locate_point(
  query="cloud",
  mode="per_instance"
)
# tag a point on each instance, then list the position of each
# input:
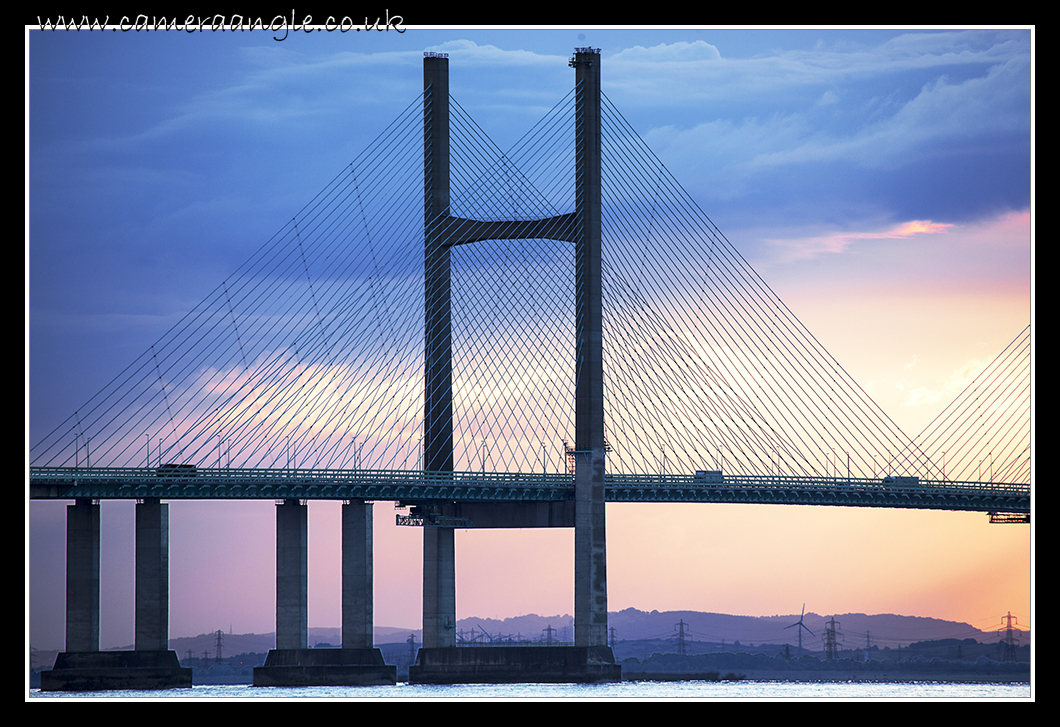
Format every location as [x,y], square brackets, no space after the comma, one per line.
[943,112]
[915,227]
[828,98]
[951,110]
[792,250]
[468,52]
[953,384]
[680,72]
[680,52]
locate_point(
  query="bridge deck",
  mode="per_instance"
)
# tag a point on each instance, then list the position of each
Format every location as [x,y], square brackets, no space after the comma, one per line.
[192,483]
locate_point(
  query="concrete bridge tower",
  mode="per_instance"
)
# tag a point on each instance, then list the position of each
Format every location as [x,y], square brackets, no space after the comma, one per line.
[590,659]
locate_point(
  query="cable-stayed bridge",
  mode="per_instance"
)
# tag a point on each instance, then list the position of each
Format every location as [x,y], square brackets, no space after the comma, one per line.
[503,339]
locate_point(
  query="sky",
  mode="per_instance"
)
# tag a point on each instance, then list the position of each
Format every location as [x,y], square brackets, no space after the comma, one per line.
[879,180]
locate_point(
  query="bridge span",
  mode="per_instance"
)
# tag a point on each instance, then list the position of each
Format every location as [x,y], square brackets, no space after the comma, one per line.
[416,487]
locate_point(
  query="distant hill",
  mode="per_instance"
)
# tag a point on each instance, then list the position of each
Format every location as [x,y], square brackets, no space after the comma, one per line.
[882,630]
[854,629]
[233,644]
[657,629]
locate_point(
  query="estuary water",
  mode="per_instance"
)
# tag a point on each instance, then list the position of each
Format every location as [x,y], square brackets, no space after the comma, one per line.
[751,690]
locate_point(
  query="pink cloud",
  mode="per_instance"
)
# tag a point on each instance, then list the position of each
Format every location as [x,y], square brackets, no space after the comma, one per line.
[917,227]
[808,247]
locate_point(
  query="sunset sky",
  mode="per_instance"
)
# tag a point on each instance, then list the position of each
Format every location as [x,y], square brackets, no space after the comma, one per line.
[880,181]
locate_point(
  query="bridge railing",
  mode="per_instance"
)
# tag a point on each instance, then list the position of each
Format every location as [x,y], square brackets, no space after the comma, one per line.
[191,482]
[808,482]
[191,473]
[59,475]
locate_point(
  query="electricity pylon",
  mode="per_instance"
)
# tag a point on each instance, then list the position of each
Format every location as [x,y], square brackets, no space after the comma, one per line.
[1009,640]
[831,644]
[681,650]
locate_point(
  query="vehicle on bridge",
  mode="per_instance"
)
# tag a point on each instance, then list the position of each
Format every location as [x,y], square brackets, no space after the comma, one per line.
[171,469]
[707,477]
[900,480]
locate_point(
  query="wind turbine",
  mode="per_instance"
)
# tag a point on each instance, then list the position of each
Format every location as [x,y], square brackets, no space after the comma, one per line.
[801,626]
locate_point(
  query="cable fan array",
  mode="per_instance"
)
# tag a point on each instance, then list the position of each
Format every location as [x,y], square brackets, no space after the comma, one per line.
[513,300]
[312,353]
[309,355]
[707,367]
[984,435]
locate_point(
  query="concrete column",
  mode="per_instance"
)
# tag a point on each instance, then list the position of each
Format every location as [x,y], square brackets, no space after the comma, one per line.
[590,551]
[152,575]
[438,388]
[82,576]
[439,558]
[357,575]
[439,588]
[292,570]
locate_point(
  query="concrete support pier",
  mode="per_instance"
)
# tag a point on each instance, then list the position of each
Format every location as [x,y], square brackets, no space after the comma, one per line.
[357,576]
[324,668]
[439,588]
[82,576]
[292,575]
[292,663]
[152,575]
[152,665]
[515,664]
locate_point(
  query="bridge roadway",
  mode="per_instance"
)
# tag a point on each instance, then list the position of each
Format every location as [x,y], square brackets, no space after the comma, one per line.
[415,486]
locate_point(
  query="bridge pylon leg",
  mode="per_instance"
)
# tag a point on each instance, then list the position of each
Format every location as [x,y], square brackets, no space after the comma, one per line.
[439,557]
[590,547]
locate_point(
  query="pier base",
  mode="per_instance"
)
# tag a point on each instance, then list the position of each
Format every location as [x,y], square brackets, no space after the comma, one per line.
[515,664]
[324,668]
[87,671]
